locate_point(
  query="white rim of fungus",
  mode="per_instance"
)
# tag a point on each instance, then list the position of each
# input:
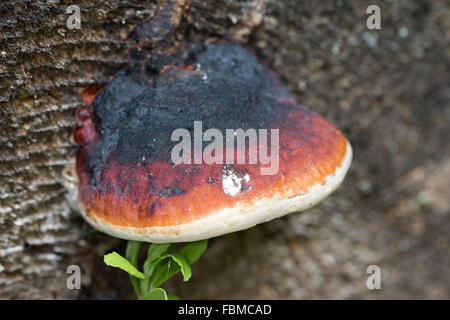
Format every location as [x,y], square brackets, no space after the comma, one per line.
[227,220]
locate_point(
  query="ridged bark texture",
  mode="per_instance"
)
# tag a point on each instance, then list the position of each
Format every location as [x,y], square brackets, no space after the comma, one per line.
[386,89]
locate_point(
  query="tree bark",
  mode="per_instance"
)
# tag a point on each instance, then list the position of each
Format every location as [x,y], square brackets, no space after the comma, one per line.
[386,89]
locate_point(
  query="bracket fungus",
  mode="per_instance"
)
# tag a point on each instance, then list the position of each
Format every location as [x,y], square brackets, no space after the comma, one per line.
[125,183]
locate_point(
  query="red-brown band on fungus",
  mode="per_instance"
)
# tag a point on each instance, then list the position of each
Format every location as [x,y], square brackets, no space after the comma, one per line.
[128,187]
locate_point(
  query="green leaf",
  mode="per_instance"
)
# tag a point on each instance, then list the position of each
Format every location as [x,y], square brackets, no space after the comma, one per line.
[172,297]
[156,294]
[183,263]
[132,252]
[184,258]
[163,271]
[132,255]
[156,250]
[194,250]
[116,260]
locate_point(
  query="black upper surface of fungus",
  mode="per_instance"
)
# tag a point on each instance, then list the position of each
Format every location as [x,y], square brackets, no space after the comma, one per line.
[226,88]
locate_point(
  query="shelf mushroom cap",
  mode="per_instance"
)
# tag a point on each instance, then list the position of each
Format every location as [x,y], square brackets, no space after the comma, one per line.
[124,183]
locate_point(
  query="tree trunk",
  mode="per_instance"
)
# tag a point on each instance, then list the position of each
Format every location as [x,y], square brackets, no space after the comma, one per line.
[386,89]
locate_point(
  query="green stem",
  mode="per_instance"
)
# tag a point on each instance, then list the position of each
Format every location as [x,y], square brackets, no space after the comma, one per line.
[132,255]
